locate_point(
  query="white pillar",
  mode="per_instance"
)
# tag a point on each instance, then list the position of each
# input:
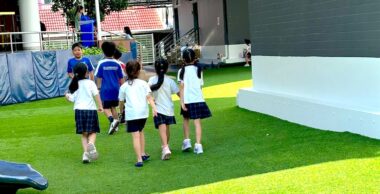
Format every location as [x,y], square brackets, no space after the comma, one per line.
[99,27]
[30,22]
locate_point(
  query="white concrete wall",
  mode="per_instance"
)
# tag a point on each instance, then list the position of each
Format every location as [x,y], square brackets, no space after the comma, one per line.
[234,53]
[30,22]
[330,93]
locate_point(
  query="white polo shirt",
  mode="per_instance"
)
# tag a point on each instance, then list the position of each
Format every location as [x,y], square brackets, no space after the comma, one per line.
[163,96]
[192,85]
[83,98]
[136,105]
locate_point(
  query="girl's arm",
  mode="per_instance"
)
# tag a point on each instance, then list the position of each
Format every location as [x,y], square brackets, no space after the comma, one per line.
[71,75]
[100,105]
[69,97]
[152,104]
[181,86]
[91,76]
[121,106]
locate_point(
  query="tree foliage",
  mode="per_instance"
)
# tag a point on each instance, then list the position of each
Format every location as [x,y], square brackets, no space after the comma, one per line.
[106,7]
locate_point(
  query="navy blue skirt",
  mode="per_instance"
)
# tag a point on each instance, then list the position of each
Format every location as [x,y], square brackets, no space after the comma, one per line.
[86,121]
[136,125]
[197,110]
[163,119]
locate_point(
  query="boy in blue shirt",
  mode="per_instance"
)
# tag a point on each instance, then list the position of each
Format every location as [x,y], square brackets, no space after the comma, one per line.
[109,77]
[78,58]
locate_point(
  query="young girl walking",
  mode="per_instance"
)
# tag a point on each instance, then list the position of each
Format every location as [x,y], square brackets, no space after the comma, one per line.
[193,105]
[163,87]
[136,94]
[82,92]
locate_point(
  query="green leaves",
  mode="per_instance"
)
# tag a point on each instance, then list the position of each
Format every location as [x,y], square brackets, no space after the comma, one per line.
[106,7]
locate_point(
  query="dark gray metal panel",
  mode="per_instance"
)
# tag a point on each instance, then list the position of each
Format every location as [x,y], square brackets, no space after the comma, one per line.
[345,28]
[211,22]
[238,21]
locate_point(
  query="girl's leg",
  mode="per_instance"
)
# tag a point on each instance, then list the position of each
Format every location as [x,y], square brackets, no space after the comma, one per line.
[163,134]
[137,145]
[167,134]
[142,143]
[198,130]
[84,141]
[91,149]
[186,128]
[92,138]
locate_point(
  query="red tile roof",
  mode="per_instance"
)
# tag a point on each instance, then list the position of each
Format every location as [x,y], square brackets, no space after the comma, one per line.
[54,21]
[137,18]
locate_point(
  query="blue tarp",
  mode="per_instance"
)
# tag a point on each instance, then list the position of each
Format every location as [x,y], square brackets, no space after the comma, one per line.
[5,86]
[21,73]
[46,76]
[27,76]
[62,57]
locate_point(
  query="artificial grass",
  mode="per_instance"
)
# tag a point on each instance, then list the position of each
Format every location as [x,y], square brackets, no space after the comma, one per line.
[245,152]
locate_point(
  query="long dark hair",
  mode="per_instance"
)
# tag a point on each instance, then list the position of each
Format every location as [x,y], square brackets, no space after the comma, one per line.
[127,30]
[188,57]
[161,66]
[132,69]
[80,71]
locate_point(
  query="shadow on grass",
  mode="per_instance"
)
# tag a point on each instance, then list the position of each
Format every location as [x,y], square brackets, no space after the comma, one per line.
[241,143]
[237,143]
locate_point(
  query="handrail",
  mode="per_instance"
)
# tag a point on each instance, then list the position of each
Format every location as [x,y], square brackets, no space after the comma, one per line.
[66,36]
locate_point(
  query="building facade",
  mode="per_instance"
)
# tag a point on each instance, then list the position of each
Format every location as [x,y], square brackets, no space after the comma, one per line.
[316,63]
[222,26]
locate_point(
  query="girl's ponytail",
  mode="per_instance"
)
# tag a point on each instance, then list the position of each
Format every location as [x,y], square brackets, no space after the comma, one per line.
[73,85]
[80,71]
[188,56]
[161,66]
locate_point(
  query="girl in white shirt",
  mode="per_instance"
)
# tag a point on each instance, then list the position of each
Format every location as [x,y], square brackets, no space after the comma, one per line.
[134,96]
[193,105]
[163,87]
[82,93]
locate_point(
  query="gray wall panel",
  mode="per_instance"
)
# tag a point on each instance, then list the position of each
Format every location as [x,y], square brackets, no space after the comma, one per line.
[211,33]
[238,21]
[185,16]
[347,28]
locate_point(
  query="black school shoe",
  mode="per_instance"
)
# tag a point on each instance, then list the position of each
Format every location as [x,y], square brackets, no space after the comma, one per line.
[145,158]
[139,164]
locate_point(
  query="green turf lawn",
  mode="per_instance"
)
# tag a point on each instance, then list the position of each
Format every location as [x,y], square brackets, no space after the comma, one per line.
[245,152]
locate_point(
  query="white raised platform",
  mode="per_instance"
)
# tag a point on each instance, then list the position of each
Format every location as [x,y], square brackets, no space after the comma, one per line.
[337,94]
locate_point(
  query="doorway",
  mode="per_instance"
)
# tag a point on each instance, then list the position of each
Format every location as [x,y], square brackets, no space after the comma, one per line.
[196,22]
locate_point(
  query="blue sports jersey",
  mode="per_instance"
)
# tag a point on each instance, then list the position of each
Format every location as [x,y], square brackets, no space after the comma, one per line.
[110,72]
[73,61]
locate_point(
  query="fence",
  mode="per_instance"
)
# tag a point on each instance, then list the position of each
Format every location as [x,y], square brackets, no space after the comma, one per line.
[27,76]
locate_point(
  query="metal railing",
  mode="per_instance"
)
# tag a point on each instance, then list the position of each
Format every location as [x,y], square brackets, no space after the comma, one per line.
[169,48]
[47,39]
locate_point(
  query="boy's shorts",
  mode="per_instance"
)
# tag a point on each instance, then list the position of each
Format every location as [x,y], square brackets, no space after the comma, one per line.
[108,104]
